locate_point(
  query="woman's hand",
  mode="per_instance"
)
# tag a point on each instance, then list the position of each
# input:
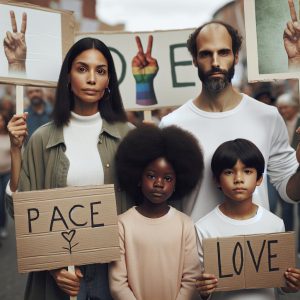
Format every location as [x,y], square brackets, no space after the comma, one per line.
[66,281]
[17,129]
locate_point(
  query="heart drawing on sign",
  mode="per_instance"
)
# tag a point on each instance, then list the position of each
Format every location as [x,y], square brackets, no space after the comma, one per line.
[68,236]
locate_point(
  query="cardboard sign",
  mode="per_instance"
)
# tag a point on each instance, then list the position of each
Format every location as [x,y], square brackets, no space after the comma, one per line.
[265,22]
[169,81]
[66,226]
[34,41]
[250,261]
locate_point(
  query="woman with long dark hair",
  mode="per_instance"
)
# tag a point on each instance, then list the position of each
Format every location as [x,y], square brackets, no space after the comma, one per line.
[76,148]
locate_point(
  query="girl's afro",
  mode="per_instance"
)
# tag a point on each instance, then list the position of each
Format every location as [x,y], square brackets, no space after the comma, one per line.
[147,143]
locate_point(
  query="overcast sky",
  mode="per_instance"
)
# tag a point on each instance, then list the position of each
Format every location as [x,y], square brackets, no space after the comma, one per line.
[146,15]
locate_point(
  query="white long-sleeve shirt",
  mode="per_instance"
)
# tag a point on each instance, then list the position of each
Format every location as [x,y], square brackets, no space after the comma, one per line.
[252,120]
[216,224]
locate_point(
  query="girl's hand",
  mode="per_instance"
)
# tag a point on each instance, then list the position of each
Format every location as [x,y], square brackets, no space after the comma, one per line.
[292,276]
[66,281]
[17,129]
[206,284]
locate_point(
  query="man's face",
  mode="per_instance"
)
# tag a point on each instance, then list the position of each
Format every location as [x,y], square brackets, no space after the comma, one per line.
[33,92]
[215,59]
[288,112]
[35,95]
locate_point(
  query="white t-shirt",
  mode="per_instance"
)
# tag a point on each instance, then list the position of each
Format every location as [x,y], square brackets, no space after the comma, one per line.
[216,224]
[252,120]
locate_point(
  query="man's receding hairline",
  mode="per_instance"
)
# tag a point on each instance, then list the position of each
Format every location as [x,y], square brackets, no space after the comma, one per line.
[216,24]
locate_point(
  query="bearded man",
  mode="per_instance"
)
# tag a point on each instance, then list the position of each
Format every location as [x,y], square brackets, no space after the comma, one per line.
[220,113]
[39,110]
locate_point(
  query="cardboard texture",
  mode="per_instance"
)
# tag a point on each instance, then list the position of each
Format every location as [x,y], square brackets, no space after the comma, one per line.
[250,261]
[66,226]
[49,35]
[173,83]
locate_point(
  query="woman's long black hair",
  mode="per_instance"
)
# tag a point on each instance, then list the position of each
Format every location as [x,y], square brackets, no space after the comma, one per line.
[111,105]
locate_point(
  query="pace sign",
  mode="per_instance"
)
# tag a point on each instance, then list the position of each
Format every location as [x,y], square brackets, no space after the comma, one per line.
[66,226]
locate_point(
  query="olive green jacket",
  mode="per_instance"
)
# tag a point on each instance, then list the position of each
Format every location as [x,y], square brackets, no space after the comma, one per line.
[45,166]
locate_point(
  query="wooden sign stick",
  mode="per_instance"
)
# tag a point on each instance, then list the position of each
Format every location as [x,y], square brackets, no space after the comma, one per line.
[147,116]
[19,99]
[71,269]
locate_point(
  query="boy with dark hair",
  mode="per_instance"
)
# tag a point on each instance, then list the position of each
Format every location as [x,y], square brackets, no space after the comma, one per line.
[237,168]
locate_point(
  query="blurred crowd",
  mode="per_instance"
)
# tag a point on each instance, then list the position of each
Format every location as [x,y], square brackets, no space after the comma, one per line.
[38,104]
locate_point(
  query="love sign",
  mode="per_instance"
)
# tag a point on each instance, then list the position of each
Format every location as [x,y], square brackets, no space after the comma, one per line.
[249,261]
[66,226]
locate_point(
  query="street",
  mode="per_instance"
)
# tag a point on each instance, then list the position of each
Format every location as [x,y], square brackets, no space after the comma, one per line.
[12,284]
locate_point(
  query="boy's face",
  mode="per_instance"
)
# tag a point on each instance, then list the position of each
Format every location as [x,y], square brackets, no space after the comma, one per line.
[158,181]
[239,182]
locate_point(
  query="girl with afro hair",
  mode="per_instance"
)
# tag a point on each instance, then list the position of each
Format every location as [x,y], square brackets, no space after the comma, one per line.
[158,243]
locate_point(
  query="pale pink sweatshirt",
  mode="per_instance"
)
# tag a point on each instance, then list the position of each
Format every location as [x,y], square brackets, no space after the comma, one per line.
[158,257]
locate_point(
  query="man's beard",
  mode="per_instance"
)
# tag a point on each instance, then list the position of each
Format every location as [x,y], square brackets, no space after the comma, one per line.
[215,85]
[36,101]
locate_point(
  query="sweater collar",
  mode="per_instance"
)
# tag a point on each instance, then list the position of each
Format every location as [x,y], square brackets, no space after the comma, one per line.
[57,136]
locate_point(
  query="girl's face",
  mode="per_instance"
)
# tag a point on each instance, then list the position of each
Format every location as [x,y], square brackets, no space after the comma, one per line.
[88,78]
[239,182]
[158,181]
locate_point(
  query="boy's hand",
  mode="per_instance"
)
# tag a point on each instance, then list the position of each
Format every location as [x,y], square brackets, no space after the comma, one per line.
[206,284]
[292,276]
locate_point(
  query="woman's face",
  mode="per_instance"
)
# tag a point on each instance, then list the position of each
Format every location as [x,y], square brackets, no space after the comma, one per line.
[88,78]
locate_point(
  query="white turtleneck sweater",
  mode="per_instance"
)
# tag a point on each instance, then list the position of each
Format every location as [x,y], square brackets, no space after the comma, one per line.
[81,139]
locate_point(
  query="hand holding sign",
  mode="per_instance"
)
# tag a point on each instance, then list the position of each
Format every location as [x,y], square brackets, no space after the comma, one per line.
[17,130]
[15,45]
[144,69]
[292,276]
[68,282]
[291,38]
[206,284]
